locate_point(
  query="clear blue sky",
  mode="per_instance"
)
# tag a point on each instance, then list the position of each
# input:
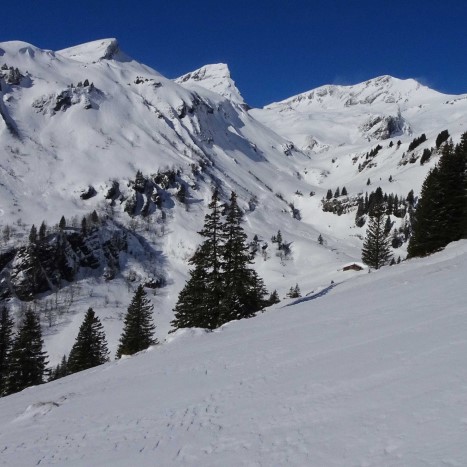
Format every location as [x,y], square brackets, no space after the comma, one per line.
[274,48]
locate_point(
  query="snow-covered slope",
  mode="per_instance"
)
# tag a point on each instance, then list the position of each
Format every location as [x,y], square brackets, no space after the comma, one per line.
[90,116]
[370,372]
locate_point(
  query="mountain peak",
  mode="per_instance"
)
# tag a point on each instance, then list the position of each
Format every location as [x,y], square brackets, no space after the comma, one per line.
[384,89]
[95,51]
[214,77]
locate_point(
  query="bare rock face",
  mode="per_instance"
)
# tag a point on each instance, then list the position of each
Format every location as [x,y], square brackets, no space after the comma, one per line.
[45,265]
[383,127]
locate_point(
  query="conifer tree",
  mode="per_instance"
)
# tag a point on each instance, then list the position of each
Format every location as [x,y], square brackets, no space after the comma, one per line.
[33,234]
[27,360]
[344,191]
[279,239]
[199,302]
[221,286]
[138,329]
[441,213]
[235,261]
[6,344]
[62,223]
[273,298]
[90,347]
[60,370]
[376,250]
[42,231]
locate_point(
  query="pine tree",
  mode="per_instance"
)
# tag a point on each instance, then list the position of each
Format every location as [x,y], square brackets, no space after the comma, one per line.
[42,231]
[320,239]
[90,347]
[27,359]
[199,302]
[329,194]
[60,370]
[441,213]
[33,234]
[344,191]
[273,298]
[376,250]
[84,227]
[138,329]
[235,261]
[294,292]
[6,344]
[221,286]
[62,223]
[337,193]
[279,240]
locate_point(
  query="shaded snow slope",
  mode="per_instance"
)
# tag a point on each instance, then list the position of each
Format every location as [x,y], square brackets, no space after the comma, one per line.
[371,373]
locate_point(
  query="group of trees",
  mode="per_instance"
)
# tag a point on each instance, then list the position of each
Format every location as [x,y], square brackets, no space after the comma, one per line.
[441,213]
[394,205]
[337,193]
[23,361]
[222,287]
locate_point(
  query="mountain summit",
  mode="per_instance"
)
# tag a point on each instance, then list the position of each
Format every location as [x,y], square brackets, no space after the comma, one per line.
[91,52]
[215,78]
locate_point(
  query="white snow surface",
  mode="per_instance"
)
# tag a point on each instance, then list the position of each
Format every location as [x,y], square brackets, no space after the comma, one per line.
[369,372]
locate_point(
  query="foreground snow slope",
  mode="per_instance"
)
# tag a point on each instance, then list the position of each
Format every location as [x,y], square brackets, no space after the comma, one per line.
[370,373]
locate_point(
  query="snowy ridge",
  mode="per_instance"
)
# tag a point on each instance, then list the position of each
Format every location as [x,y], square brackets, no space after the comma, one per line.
[215,78]
[372,373]
[91,52]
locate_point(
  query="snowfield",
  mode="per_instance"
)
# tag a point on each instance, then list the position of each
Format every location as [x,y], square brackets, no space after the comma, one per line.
[371,372]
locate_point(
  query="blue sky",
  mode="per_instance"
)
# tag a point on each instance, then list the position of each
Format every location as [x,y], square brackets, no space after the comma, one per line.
[274,48]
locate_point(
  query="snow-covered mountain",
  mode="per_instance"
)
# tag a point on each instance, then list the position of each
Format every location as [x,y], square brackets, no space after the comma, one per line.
[369,372]
[77,125]
[216,78]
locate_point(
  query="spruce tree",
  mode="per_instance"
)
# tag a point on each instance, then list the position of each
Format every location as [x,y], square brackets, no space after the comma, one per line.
[376,250]
[27,361]
[33,234]
[441,213]
[90,347]
[62,223]
[199,302]
[42,231]
[235,261]
[60,370]
[138,329]
[6,344]
[221,286]
[273,298]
